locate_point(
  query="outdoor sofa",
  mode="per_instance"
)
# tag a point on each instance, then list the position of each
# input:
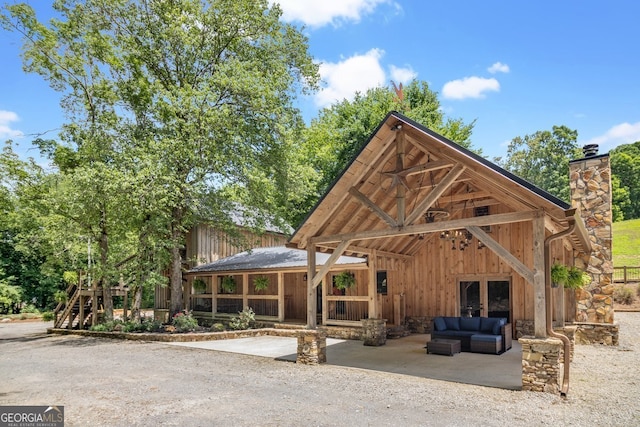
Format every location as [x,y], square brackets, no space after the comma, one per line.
[476,334]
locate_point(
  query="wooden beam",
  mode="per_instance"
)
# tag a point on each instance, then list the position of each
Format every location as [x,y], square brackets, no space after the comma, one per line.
[401,181]
[372,289]
[281,301]
[505,218]
[361,250]
[539,314]
[424,167]
[372,206]
[503,253]
[337,253]
[435,193]
[312,298]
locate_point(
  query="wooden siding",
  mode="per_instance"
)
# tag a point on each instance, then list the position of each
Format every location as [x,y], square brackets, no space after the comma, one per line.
[429,282]
[204,244]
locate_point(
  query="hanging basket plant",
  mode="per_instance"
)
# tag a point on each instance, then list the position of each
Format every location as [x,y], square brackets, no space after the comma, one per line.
[261,283]
[199,285]
[344,280]
[576,278]
[228,284]
[559,274]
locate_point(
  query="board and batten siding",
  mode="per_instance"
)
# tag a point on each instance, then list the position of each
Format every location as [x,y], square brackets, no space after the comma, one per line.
[429,281]
[205,244]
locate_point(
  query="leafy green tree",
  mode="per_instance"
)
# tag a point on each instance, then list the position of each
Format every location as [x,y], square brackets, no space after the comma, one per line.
[543,159]
[625,169]
[200,93]
[339,131]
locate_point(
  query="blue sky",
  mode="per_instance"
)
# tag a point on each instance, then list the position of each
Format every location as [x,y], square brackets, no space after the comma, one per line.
[514,67]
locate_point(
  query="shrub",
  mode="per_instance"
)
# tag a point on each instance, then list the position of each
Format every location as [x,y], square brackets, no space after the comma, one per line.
[243,320]
[184,322]
[217,327]
[638,290]
[48,316]
[623,295]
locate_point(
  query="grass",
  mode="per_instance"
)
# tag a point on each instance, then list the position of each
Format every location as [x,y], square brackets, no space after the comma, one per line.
[626,243]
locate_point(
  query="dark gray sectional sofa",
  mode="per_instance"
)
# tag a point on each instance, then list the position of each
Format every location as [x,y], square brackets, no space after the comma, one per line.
[476,334]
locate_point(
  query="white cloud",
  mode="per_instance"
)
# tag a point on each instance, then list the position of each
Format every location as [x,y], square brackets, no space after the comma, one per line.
[624,133]
[318,13]
[469,87]
[402,75]
[498,67]
[6,118]
[355,74]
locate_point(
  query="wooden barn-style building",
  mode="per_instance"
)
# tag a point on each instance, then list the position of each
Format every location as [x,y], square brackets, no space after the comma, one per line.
[440,230]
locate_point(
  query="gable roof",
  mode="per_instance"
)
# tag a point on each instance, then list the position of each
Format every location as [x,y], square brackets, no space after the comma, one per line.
[405,164]
[278,257]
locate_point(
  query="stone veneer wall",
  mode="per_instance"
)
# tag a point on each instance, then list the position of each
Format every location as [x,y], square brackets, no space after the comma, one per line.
[374,331]
[419,324]
[542,365]
[590,181]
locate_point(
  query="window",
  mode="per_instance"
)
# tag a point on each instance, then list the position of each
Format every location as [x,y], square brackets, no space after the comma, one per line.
[482,211]
[381,280]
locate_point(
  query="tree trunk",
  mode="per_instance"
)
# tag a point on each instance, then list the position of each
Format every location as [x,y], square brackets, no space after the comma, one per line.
[177,304]
[107,298]
[137,302]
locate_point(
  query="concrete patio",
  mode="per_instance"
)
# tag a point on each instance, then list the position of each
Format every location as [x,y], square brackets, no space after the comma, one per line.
[405,356]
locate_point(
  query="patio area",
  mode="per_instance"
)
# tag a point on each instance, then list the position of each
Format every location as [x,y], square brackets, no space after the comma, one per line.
[405,356]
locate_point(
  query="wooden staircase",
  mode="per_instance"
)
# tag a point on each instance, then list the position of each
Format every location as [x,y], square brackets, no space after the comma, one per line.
[80,309]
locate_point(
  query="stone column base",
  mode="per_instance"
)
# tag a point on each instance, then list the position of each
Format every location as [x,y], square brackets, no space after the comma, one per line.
[312,347]
[374,332]
[597,333]
[541,364]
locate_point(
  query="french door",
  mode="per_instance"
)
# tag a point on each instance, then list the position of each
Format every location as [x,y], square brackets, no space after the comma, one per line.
[485,297]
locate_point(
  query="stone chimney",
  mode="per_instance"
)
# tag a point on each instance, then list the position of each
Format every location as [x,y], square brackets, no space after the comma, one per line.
[590,181]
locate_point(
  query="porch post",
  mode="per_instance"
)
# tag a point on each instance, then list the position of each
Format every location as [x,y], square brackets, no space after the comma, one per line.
[539,320]
[281,301]
[372,290]
[312,299]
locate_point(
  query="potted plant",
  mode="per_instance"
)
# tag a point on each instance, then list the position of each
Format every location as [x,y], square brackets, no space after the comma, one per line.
[261,283]
[199,285]
[228,284]
[344,280]
[559,274]
[576,278]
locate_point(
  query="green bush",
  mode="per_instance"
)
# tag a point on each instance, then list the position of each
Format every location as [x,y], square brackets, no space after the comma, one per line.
[243,320]
[184,322]
[48,316]
[638,290]
[623,295]
[217,327]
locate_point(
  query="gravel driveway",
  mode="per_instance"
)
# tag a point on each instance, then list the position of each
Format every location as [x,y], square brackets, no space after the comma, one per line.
[103,382]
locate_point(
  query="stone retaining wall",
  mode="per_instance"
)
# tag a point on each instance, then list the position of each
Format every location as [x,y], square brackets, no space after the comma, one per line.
[597,333]
[312,344]
[419,324]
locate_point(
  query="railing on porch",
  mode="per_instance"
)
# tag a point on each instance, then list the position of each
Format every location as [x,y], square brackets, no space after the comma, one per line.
[229,305]
[264,307]
[346,309]
[626,274]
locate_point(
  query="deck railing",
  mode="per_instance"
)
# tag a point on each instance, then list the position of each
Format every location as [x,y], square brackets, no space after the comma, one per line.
[626,274]
[346,309]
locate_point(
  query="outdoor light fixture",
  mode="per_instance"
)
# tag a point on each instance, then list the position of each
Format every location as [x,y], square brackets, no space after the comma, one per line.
[460,239]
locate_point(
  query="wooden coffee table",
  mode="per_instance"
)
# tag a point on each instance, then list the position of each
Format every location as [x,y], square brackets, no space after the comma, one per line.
[444,347]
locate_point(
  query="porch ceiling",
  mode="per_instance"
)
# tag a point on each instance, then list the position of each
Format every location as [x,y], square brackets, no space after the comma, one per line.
[381,201]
